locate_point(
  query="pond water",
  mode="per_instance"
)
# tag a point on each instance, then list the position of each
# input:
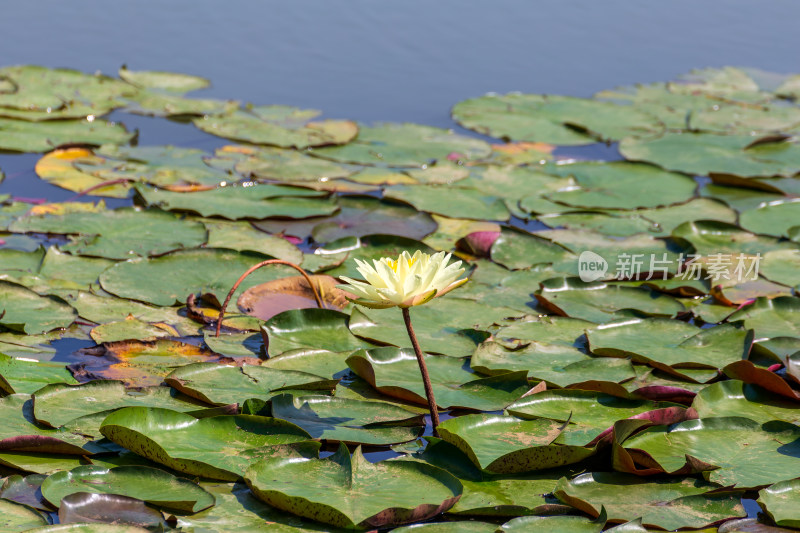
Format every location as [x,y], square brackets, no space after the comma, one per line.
[372,61]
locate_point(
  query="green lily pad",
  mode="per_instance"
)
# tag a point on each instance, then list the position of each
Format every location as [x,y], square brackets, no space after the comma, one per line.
[708,237]
[276,125]
[171,278]
[603,302]
[39,93]
[82,408]
[242,236]
[320,362]
[204,447]
[128,329]
[358,216]
[771,318]
[268,163]
[226,384]
[450,326]
[552,119]
[774,218]
[659,221]
[352,492]
[89,528]
[23,375]
[395,372]
[24,310]
[368,248]
[152,485]
[238,511]
[19,517]
[234,203]
[349,421]
[105,309]
[25,490]
[782,266]
[20,431]
[780,502]
[587,413]
[507,444]
[488,494]
[164,81]
[709,153]
[163,104]
[516,250]
[311,329]
[621,185]
[404,145]
[24,136]
[735,398]
[452,201]
[664,343]
[118,234]
[665,503]
[565,524]
[730,451]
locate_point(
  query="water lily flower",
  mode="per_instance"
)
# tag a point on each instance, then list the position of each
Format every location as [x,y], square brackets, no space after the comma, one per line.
[406,281]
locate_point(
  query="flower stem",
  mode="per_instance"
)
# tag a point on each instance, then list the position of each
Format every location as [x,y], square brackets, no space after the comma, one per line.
[426,380]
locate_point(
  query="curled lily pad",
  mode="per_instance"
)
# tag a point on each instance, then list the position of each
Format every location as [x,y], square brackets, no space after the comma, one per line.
[404,145]
[204,447]
[357,494]
[395,372]
[152,485]
[85,507]
[275,125]
[507,444]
